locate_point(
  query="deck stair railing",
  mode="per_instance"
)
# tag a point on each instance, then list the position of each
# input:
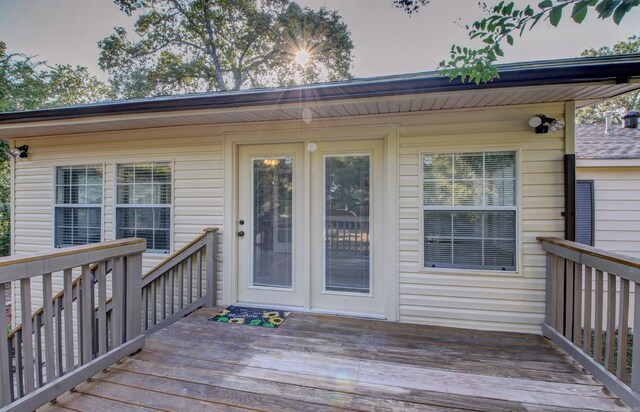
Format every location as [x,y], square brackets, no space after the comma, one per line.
[53,351]
[66,347]
[182,283]
[593,312]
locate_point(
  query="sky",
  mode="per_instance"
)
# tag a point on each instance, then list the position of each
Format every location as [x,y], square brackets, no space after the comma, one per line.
[387,41]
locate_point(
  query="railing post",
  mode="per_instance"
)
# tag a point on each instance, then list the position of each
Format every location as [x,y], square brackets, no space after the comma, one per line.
[5,367]
[133,289]
[211,268]
[635,357]
[87,330]
[550,292]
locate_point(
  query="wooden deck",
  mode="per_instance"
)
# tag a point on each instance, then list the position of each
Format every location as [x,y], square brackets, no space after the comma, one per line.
[315,362]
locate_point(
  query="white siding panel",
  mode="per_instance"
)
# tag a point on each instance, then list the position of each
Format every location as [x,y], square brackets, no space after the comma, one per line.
[479,299]
[197,175]
[617,208]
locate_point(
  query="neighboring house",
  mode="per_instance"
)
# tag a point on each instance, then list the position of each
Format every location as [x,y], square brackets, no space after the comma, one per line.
[407,198]
[608,187]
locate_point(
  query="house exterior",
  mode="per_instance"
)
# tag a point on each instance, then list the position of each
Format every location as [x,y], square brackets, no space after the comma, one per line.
[608,173]
[406,198]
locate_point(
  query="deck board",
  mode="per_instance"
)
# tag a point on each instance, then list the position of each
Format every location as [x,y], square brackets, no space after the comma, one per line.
[319,362]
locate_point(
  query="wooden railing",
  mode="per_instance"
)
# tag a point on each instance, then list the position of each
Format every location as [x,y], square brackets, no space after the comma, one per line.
[80,346]
[348,234]
[72,337]
[593,312]
[182,283]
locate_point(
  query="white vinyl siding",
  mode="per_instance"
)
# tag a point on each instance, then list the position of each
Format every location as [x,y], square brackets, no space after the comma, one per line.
[197,186]
[469,298]
[143,204]
[78,208]
[470,214]
[616,200]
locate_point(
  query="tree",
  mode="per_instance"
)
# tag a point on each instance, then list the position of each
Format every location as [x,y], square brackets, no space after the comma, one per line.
[504,22]
[27,84]
[204,45]
[595,114]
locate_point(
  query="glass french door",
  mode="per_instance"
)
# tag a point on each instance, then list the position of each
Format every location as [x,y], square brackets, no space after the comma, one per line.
[346,227]
[269,227]
[311,235]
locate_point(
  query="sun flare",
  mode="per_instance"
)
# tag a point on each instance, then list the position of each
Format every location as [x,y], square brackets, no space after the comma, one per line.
[302,57]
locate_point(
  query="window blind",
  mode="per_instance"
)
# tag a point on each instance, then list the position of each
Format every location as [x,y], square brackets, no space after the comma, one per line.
[470,214]
[78,209]
[143,206]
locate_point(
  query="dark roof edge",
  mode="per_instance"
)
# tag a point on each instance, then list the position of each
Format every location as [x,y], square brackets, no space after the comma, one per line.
[566,71]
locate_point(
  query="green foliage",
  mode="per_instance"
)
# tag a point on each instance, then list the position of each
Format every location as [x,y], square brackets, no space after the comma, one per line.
[27,84]
[595,114]
[347,179]
[183,46]
[503,21]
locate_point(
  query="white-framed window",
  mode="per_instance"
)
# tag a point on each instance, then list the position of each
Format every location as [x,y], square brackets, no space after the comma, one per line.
[470,210]
[78,205]
[143,204]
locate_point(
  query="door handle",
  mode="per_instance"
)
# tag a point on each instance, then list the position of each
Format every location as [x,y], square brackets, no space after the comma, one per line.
[241,233]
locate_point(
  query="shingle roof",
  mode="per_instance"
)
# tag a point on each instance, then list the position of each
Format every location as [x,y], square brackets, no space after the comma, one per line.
[620,143]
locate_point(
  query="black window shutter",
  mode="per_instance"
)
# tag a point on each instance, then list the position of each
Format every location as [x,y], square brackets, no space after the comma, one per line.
[584,212]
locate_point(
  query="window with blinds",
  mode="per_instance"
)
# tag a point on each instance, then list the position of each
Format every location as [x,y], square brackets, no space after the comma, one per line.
[78,205]
[143,204]
[470,210]
[584,212]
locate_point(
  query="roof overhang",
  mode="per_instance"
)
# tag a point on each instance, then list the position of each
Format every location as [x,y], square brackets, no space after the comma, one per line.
[583,80]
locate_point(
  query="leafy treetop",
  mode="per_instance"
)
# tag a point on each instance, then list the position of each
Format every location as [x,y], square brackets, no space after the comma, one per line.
[504,22]
[27,84]
[203,45]
[595,114]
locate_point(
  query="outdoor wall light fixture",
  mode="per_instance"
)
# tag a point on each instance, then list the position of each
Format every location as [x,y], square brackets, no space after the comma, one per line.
[22,152]
[544,124]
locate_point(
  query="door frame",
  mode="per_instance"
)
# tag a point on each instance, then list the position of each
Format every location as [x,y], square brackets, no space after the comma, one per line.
[291,132]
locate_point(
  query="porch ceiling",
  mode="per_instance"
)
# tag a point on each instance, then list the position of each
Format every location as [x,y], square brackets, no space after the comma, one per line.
[584,80]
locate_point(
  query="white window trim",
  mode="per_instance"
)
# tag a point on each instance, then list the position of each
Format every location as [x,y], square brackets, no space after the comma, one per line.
[518,209]
[56,205]
[170,206]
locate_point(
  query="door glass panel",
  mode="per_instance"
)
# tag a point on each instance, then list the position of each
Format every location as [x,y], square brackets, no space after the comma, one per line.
[347,223]
[272,221]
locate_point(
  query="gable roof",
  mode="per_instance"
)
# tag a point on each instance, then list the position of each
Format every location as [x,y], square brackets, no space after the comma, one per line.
[583,80]
[619,143]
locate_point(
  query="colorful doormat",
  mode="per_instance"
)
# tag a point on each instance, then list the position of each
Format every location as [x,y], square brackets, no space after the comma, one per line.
[251,316]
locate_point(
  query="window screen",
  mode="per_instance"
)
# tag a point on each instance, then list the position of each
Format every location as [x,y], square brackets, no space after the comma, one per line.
[584,212]
[143,204]
[470,211]
[78,209]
